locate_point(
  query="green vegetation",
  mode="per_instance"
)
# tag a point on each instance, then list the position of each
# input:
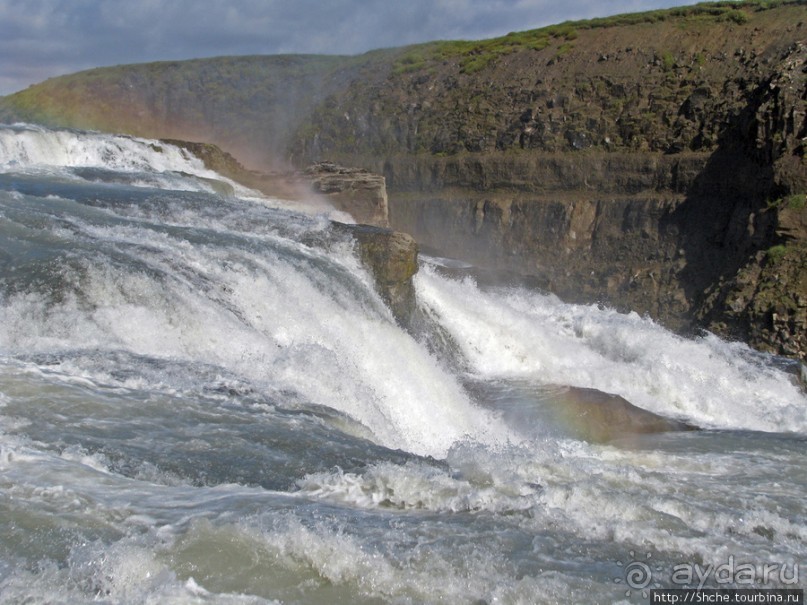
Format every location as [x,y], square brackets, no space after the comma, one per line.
[769,4]
[797,201]
[474,56]
[737,16]
[667,60]
[776,253]
[564,49]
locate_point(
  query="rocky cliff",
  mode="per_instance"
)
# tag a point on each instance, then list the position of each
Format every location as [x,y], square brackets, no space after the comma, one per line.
[653,162]
[656,166]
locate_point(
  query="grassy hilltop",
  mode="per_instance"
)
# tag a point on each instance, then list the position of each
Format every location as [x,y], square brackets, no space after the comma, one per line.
[617,82]
[652,161]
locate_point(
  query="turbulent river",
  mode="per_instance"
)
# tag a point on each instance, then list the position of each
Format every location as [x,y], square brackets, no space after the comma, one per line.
[203,400]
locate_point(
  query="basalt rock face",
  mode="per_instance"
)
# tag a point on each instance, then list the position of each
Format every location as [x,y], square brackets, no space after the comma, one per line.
[213,157]
[686,250]
[765,301]
[760,294]
[613,251]
[708,238]
[358,192]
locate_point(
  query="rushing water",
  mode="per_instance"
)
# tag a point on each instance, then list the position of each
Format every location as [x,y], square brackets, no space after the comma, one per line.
[203,400]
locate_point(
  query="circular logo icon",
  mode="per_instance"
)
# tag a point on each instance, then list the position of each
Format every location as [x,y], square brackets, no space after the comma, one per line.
[638,575]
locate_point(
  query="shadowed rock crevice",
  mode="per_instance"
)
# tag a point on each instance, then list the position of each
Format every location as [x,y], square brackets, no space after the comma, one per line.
[748,278]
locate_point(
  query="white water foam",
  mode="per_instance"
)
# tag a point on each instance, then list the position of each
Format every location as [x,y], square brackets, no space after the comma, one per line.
[419,486]
[290,322]
[150,163]
[600,493]
[514,524]
[273,319]
[335,566]
[27,146]
[516,333]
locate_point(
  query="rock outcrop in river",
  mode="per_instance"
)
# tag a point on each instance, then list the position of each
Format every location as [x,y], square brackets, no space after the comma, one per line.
[391,257]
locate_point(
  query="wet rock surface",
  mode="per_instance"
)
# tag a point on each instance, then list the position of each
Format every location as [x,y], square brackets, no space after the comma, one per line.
[600,417]
[392,259]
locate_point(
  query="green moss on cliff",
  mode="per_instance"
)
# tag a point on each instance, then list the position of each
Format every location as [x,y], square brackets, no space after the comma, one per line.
[776,253]
[797,201]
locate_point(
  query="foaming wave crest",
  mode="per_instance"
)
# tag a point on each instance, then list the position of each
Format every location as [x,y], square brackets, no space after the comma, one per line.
[417,485]
[26,146]
[281,314]
[517,333]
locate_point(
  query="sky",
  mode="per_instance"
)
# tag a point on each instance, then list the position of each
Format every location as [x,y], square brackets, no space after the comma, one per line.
[44,38]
